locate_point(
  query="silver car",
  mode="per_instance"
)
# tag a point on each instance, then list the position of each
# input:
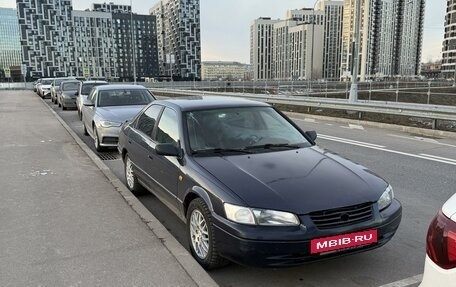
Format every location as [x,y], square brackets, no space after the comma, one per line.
[56,86]
[108,107]
[83,93]
[66,97]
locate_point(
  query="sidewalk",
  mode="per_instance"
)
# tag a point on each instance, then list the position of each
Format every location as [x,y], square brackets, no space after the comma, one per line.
[62,222]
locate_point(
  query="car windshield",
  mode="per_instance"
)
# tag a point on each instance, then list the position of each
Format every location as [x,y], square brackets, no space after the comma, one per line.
[46,82]
[245,130]
[70,86]
[86,88]
[124,97]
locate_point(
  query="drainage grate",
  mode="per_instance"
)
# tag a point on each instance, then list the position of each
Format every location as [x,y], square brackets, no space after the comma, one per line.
[109,156]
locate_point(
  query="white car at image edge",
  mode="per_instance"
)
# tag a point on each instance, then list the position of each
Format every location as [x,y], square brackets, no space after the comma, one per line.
[440,264]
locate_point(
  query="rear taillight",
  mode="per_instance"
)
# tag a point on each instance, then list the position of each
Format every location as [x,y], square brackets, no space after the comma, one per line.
[441,241]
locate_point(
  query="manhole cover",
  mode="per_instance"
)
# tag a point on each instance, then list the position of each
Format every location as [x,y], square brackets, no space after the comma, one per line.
[108,156]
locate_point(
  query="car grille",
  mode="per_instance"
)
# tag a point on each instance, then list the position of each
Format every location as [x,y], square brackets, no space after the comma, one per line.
[110,140]
[342,216]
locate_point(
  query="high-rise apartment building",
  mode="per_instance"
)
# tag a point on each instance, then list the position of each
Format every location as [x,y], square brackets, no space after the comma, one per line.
[449,42]
[94,50]
[306,45]
[332,36]
[390,37]
[297,52]
[135,41]
[179,41]
[46,37]
[261,48]
[10,45]
[103,43]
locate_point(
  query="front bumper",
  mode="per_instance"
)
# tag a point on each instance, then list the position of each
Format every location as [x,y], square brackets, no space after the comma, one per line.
[108,136]
[290,246]
[69,102]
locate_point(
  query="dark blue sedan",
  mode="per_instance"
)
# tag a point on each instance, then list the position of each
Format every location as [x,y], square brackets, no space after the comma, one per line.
[252,187]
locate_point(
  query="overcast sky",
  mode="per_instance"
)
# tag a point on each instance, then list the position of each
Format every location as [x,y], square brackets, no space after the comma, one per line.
[225,24]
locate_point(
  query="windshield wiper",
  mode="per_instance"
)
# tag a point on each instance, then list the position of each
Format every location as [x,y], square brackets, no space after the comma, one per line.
[222,150]
[270,146]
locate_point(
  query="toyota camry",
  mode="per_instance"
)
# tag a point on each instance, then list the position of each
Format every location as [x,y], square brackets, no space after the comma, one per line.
[253,187]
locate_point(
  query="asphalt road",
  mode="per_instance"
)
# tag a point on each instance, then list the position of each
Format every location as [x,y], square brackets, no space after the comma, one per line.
[421,170]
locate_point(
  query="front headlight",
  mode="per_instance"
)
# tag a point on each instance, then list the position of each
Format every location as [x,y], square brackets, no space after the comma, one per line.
[256,216]
[109,124]
[386,198]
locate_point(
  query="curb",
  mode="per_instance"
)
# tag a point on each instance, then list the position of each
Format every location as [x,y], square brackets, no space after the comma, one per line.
[182,256]
[408,129]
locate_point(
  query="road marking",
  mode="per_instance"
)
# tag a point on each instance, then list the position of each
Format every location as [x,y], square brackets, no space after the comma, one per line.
[405,282]
[348,141]
[309,120]
[438,157]
[382,148]
[355,127]
[329,125]
[421,139]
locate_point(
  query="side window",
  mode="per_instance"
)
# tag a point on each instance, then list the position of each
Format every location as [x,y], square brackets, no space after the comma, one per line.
[147,120]
[168,129]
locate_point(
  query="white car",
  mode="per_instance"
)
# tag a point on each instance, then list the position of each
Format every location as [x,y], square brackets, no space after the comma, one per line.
[440,264]
[44,87]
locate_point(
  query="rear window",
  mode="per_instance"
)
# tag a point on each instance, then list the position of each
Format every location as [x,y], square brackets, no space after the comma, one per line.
[86,88]
[70,86]
[46,82]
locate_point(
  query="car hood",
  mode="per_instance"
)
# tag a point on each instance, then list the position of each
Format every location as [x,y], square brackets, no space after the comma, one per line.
[46,86]
[298,181]
[118,114]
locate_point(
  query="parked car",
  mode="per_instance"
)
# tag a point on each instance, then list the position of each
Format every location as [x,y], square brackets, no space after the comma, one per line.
[252,187]
[44,87]
[440,262]
[66,97]
[35,85]
[108,107]
[56,86]
[83,93]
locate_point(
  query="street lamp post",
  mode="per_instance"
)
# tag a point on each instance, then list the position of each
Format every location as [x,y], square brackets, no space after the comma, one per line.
[312,47]
[354,86]
[132,42]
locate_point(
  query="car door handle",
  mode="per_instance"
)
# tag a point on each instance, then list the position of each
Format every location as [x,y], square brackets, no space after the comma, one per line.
[150,157]
[129,141]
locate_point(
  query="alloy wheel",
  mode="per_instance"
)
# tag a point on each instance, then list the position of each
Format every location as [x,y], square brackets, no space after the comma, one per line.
[199,234]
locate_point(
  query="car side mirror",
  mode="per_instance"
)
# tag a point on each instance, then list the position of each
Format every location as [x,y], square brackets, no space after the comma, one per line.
[88,103]
[312,135]
[167,149]
[77,93]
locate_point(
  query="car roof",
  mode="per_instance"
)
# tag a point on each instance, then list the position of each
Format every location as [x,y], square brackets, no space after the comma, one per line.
[209,102]
[119,87]
[94,82]
[70,81]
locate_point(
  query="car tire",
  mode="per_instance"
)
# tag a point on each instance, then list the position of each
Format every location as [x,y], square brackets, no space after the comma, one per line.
[201,236]
[80,115]
[64,108]
[86,133]
[96,140]
[130,178]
